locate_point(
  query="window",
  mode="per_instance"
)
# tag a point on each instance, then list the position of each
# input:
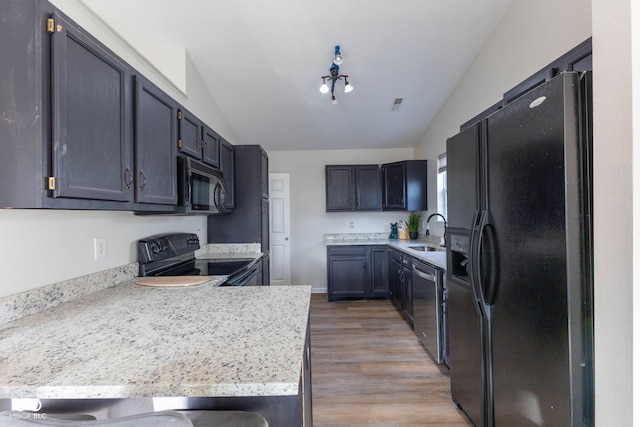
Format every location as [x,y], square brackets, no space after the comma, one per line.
[442,184]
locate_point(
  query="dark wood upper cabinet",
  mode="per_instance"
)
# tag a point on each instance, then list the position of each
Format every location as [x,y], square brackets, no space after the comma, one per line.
[156,134]
[367,188]
[353,187]
[228,171]
[339,188]
[73,137]
[404,186]
[393,178]
[249,220]
[264,174]
[579,58]
[91,117]
[197,140]
[190,134]
[210,147]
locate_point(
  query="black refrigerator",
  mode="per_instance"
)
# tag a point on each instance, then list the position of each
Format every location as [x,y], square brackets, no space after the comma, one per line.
[519,260]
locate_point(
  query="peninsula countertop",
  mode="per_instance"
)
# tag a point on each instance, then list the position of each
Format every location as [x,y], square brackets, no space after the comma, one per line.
[138,341]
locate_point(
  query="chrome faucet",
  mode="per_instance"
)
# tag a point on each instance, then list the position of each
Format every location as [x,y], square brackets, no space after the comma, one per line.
[443,240]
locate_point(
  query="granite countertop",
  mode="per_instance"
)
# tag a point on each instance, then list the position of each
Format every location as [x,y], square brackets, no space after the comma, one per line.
[137,341]
[437,258]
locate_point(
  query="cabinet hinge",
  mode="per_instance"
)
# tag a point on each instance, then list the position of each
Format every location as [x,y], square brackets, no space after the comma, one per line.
[51,183]
[179,143]
[179,115]
[50,26]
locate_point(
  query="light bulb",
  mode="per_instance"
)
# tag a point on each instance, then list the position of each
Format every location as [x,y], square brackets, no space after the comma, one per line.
[324,88]
[348,88]
[337,59]
[334,101]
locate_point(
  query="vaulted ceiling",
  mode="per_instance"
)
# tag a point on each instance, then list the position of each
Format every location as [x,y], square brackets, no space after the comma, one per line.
[262,61]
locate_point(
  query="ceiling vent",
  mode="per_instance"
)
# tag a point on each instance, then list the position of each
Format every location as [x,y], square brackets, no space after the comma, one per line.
[396,104]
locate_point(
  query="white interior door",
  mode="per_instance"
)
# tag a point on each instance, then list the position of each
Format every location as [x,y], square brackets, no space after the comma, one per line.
[279,213]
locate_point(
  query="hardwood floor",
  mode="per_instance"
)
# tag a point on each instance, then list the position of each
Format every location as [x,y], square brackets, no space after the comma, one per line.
[369,369]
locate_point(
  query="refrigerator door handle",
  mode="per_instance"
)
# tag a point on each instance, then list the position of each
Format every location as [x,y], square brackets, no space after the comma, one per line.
[474,264]
[489,263]
[484,263]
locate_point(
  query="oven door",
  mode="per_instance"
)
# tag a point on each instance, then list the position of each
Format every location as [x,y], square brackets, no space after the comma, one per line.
[249,277]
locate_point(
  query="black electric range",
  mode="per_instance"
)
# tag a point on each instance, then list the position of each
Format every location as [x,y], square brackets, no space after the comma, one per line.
[174,255]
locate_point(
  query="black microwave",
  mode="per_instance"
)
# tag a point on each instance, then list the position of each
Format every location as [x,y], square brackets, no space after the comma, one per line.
[201,189]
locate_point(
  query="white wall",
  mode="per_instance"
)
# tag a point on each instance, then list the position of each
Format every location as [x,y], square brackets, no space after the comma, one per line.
[615,146]
[41,247]
[310,221]
[635,144]
[531,35]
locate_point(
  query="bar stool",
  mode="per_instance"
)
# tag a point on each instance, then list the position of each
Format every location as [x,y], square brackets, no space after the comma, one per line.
[151,419]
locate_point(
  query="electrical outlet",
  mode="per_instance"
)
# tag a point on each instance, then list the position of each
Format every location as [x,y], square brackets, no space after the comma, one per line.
[351,225]
[99,247]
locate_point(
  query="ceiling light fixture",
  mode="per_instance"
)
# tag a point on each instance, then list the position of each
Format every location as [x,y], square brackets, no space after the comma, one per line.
[334,75]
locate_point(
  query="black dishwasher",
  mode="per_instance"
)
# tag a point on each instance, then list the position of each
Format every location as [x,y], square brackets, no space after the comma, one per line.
[427,308]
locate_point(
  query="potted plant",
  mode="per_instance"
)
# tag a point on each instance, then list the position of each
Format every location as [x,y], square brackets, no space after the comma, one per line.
[413,224]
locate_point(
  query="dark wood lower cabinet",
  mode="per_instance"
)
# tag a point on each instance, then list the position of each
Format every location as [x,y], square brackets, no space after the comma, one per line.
[357,272]
[379,271]
[395,277]
[407,288]
[401,283]
[347,272]
[368,272]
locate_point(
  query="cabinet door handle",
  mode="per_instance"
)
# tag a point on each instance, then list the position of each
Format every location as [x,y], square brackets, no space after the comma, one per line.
[128,177]
[143,178]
